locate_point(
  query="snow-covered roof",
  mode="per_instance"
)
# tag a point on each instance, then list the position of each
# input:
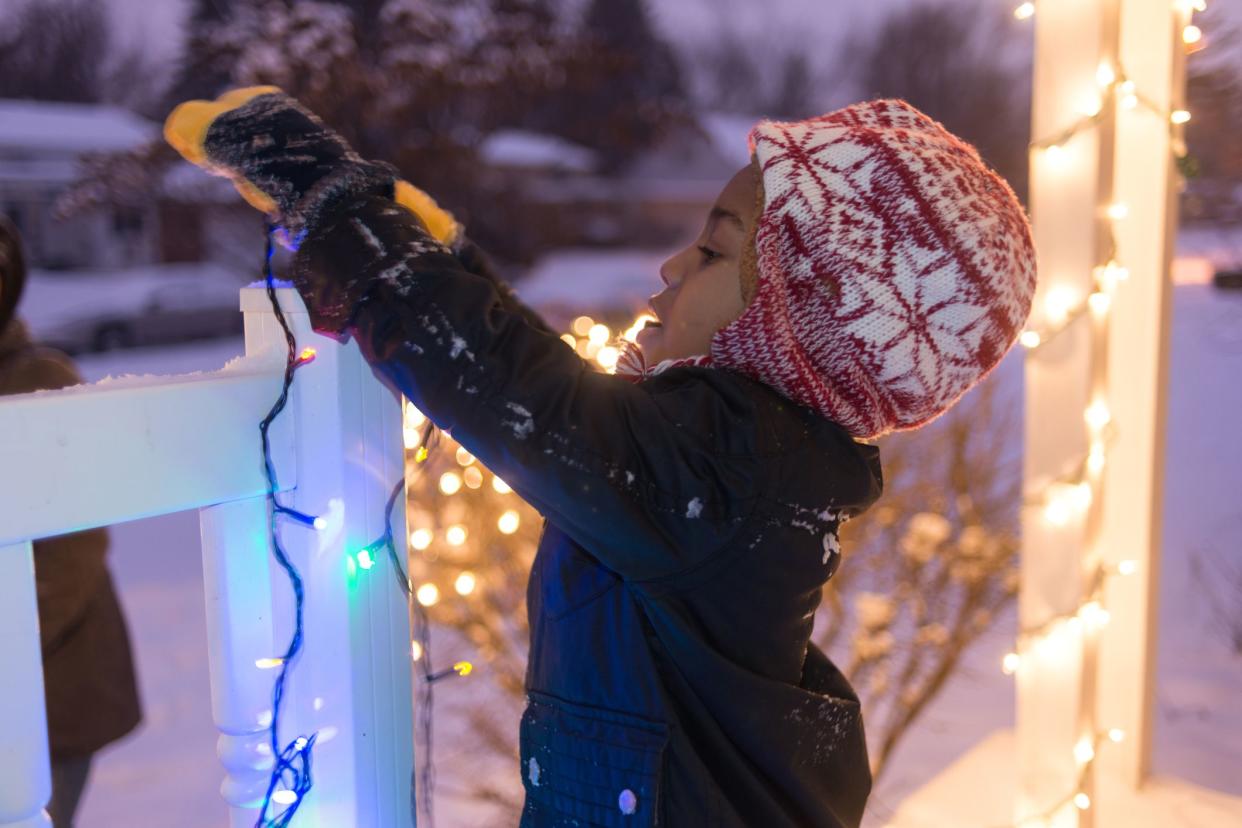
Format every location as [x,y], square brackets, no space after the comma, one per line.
[515,148]
[41,128]
[593,280]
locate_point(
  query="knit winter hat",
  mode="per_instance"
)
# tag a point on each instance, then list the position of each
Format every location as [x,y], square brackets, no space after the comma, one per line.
[894,268]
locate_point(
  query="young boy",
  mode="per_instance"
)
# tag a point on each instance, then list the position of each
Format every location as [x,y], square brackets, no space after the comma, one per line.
[860,275]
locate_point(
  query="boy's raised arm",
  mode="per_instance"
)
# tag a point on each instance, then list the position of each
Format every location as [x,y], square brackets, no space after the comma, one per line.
[652,479]
[646,477]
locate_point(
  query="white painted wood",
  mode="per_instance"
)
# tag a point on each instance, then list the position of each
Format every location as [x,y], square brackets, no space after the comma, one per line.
[25,775]
[193,441]
[352,684]
[181,439]
[1086,679]
[1138,361]
[1066,191]
[238,588]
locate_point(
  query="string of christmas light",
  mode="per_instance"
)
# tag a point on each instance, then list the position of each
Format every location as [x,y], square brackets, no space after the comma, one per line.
[291,774]
[1074,493]
[593,341]
[290,778]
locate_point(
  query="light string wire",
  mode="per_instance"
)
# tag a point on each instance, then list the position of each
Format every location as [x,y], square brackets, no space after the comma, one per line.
[291,772]
[292,768]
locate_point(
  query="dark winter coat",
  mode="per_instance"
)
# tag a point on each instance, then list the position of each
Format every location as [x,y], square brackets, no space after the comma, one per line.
[691,524]
[88,670]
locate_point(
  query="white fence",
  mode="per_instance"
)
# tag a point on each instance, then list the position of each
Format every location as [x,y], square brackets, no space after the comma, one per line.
[115,451]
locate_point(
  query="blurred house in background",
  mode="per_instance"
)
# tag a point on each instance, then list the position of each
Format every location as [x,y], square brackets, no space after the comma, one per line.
[188,217]
[162,265]
[659,200]
[41,148]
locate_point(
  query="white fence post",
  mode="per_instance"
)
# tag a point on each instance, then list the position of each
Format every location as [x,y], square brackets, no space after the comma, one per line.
[352,682]
[25,773]
[193,442]
[237,583]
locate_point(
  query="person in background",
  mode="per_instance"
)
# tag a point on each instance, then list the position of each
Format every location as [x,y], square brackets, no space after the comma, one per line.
[88,669]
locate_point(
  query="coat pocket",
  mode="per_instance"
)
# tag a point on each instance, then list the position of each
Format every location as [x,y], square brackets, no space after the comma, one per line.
[587,766]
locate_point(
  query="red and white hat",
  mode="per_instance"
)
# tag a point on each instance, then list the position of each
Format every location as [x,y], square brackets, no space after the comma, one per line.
[894,269]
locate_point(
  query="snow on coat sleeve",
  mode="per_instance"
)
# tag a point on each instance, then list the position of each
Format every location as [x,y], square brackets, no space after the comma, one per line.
[651,478]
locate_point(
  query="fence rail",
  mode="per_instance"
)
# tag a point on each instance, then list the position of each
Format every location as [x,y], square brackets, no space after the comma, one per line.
[137,447]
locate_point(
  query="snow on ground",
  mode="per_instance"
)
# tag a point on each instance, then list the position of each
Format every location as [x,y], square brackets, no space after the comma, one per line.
[167,772]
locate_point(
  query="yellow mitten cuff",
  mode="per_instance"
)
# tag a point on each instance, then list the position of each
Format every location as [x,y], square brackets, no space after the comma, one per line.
[439,222]
[186,128]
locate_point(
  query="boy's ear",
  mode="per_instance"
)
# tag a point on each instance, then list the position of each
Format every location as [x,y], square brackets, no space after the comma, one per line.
[749,269]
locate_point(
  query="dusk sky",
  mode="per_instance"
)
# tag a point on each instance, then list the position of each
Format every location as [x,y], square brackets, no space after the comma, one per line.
[686,20]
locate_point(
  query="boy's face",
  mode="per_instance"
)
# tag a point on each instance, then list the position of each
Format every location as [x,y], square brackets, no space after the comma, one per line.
[704,286]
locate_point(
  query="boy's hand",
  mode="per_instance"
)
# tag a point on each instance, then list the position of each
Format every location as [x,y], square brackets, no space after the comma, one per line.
[282,159]
[285,162]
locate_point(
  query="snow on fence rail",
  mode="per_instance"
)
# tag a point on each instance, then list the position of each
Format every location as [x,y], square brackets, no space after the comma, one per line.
[123,449]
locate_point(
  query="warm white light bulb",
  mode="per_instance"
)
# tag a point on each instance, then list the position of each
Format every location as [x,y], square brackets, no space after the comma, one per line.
[455,535]
[1104,75]
[416,650]
[1084,751]
[284,797]
[1057,512]
[473,477]
[599,334]
[1030,339]
[1010,663]
[465,583]
[500,486]
[420,538]
[1058,303]
[1118,211]
[1090,105]
[1096,458]
[1080,495]
[1116,734]
[1081,801]
[1024,11]
[464,458]
[1127,567]
[1179,116]
[1099,302]
[508,522]
[1097,415]
[1192,34]
[450,483]
[607,356]
[428,594]
[1093,614]
[582,325]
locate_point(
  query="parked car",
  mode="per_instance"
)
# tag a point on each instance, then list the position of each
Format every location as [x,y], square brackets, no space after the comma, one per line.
[80,311]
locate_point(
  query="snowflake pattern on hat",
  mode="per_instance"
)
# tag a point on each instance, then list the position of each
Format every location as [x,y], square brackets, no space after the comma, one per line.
[895,269]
